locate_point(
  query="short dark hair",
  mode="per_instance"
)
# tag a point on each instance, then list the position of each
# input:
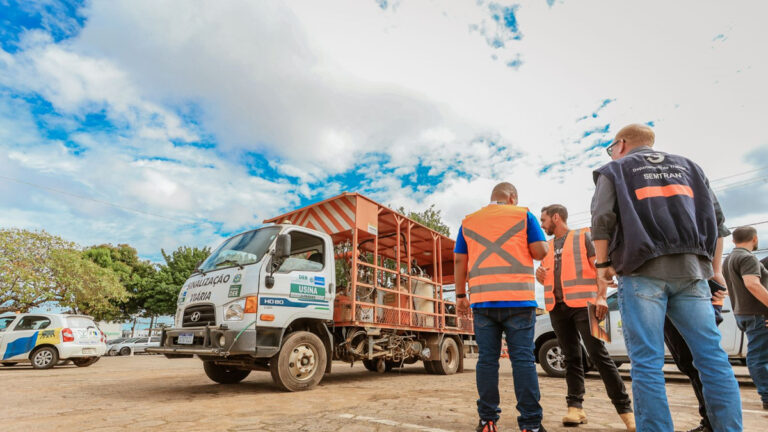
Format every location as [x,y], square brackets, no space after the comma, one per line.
[744,234]
[556,209]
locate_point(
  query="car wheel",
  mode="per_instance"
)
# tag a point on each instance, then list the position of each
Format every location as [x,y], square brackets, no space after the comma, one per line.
[44,357]
[224,374]
[85,362]
[124,351]
[552,359]
[9,364]
[300,364]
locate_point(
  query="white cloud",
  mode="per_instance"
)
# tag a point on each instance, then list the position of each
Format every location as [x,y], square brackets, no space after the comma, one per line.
[318,88]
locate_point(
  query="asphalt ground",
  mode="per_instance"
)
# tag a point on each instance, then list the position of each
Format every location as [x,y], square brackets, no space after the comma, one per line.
[149,392]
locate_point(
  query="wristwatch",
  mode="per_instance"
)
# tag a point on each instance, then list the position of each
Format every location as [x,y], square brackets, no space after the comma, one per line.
[458,296]
[603,264]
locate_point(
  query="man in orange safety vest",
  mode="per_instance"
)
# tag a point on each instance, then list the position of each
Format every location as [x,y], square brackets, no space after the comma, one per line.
[569,278]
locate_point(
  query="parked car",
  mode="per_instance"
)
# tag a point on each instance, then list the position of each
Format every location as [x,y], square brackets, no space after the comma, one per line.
[135,345]
[550,355]
[44,339]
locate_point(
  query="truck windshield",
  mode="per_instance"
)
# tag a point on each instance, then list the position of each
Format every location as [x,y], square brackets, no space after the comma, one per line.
[242,249]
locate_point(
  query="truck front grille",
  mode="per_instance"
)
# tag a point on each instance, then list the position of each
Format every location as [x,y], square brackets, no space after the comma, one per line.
[198,316]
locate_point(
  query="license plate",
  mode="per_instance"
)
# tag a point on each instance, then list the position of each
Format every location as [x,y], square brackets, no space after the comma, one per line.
[89,350]
[186,338]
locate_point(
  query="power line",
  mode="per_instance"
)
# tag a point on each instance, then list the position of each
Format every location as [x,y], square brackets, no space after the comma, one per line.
[86,198]
[739,174]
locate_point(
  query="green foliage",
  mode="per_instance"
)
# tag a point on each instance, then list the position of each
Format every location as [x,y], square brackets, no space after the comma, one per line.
[136,275]
[430,217]
[37,268]
[179,265]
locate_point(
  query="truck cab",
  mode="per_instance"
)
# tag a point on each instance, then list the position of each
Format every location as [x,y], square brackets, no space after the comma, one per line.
[236,307]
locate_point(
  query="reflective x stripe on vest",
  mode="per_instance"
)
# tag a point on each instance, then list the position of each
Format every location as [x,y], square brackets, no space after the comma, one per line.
[500,269]
[577,276]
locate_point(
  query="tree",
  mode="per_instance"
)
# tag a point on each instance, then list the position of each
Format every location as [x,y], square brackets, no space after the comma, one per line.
[430,218]
[38,268]
[136,275]
[84,287]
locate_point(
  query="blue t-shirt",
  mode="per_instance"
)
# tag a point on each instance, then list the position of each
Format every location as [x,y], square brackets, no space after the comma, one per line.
[535,234]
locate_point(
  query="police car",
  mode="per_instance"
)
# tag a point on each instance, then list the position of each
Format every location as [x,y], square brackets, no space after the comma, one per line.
[44,339]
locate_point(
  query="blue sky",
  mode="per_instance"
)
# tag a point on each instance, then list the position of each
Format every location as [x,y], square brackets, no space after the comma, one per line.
[175,123]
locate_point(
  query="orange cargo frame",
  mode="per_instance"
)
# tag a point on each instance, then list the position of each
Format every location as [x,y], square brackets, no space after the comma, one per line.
[372,229]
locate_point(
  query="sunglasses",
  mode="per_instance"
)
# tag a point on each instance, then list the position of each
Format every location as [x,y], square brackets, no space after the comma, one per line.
[609,149]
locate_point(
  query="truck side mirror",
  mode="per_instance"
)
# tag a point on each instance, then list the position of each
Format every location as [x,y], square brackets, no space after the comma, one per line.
[282,247]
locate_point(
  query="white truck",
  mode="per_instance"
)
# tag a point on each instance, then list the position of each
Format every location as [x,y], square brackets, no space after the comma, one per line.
[344,279]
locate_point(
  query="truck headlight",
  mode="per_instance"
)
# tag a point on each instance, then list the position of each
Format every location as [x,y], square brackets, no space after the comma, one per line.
[235,311]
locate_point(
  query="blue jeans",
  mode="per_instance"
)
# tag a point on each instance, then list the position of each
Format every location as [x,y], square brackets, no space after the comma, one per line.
[643,303]
[757,350]
[518,325]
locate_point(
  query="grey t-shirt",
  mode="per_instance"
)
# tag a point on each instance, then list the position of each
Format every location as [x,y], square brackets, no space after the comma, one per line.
[739,263]
[559,242]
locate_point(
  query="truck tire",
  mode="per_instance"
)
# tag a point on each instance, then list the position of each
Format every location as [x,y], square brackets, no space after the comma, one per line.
[552,359]
[85,362]
[224,374]
[429,366]
[370,365]
[44,357]
[301,362]
[449,358]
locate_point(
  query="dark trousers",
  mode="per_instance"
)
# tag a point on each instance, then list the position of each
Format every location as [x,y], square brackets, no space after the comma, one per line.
[572,325]
[518,326]
[683,358]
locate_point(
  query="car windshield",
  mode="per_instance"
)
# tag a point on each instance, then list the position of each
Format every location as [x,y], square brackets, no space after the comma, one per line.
[242,249]
[5,322]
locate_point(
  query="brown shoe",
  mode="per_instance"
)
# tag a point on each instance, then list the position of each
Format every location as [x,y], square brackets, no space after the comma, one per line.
[575,417]
[629,421]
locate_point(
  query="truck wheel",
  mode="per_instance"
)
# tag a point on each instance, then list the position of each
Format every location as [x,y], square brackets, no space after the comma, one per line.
[85,362]
[224,374]
[370,365]
[552,359]
[44,358]
[449,358]
[301,362]
[124,351]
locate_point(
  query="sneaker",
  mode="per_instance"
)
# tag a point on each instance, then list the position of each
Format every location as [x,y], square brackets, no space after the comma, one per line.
[540,429]
[486,426]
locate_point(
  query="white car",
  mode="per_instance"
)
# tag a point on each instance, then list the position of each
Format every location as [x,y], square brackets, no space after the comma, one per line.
[43,339]
[552,360]
[134,345]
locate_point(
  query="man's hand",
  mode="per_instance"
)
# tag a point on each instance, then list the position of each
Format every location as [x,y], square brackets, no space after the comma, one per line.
[605,277]
[719,278]
[601,307]
[462,306]
[541,274]
[718,296]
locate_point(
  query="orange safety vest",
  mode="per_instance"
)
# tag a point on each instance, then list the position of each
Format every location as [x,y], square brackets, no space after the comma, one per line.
[577,274]
[500,264]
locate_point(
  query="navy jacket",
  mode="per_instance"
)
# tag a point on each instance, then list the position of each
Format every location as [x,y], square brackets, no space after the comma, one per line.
[664,208]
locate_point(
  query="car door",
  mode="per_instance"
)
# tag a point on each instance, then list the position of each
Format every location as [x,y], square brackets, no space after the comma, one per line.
[6,324]
[140,345]
[617,347]
[22,337]
[731,334]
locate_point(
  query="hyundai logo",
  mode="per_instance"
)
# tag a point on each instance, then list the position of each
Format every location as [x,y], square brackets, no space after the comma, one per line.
[194,317]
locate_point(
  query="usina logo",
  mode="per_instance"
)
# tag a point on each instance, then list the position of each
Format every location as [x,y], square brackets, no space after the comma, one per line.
[237,278]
